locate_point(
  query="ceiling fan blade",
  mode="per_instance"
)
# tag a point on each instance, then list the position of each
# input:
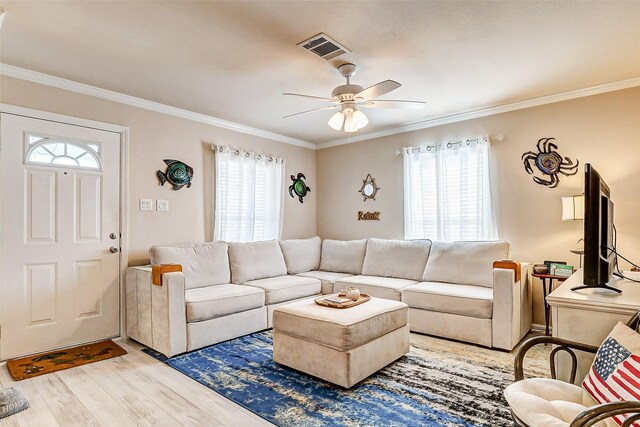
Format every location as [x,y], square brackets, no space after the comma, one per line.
[377,90]
[331,107]
[310,96]
[405,105]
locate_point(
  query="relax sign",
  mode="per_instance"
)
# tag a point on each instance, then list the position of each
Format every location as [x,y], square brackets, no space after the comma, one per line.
[368,216]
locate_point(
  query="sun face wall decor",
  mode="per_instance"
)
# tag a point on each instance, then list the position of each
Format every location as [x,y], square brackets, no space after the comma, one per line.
[549,162]
[369,188]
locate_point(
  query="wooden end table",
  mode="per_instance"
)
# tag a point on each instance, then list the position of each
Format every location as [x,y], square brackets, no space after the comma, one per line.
[547,291]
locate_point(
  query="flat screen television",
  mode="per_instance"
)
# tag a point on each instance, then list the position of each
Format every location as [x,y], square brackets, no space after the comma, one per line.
[599,255]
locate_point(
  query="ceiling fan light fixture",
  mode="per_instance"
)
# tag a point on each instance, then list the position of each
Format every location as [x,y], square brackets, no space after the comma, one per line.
[359,119]
[336,121]
[350,124]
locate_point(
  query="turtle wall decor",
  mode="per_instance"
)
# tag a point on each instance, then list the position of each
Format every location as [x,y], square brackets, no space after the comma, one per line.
[549,162]
[299,187]
[178,174]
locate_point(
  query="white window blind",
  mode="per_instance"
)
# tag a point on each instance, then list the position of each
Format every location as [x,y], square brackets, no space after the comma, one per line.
[249,196]
[447,192]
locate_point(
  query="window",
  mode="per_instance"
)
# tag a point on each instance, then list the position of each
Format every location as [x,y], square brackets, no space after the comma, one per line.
[249,196]
[56,152]
[447,194]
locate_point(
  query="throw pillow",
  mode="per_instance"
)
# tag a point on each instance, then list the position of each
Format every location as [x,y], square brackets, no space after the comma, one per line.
[615,372]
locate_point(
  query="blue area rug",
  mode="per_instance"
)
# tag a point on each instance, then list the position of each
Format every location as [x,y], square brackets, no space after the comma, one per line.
[427,387]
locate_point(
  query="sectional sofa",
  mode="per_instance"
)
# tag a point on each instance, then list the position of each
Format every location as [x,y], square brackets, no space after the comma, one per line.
[226,290]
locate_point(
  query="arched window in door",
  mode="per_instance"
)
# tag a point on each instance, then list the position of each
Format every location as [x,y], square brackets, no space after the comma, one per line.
[58,152]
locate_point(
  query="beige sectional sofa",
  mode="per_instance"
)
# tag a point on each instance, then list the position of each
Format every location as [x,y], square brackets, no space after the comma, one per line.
[229,290]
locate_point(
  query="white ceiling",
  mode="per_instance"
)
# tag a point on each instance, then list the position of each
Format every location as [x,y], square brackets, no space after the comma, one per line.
[233,60]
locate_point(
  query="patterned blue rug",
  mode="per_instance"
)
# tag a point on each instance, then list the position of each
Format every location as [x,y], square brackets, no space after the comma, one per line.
[422,388]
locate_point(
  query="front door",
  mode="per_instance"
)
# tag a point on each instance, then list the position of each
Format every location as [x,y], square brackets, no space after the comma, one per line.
[60,233]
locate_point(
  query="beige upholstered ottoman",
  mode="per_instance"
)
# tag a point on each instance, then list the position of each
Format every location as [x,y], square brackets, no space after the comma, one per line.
[342,346]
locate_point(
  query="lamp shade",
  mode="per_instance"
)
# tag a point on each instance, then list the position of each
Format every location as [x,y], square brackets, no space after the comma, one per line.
[359,119]
[573,208]
[349,123]
[336,121]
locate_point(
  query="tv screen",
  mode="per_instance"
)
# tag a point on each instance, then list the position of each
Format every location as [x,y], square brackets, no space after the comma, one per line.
[599,258]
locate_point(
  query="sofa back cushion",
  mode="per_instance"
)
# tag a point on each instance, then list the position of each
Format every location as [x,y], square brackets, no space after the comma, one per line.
[301,255]
[403,259]
[256,260]
[467,263]
[203,264]
[343,256]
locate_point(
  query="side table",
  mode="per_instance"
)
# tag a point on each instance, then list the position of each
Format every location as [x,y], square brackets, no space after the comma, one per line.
[547,279]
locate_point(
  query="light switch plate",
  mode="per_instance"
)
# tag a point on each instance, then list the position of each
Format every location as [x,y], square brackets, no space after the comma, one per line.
[162,205]
[146,204]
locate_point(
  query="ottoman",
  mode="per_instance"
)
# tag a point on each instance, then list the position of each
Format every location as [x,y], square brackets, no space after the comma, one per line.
[342,346]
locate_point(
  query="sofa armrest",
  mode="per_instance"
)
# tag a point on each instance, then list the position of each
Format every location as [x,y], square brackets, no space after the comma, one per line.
[169,314]
[156,315]
[511,318]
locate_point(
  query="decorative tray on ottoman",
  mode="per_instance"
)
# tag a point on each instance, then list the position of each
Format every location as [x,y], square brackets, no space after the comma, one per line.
[334,301]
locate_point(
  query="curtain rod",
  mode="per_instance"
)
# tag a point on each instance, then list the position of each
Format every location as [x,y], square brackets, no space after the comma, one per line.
[237,152]
[450,144]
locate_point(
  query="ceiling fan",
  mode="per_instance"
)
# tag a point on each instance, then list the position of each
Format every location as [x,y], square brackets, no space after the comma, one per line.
[349,98]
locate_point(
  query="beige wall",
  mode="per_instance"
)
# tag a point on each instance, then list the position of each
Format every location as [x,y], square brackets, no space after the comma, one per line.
[603,130]
[155,136]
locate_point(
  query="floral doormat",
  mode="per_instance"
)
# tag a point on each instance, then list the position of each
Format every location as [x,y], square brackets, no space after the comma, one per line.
[44,363]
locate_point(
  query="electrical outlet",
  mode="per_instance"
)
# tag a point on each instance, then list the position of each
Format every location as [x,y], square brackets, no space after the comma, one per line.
[146,204]
[162,205]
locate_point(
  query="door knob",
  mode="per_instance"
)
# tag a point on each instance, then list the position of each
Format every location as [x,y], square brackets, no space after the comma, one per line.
[113,249]
[113,236]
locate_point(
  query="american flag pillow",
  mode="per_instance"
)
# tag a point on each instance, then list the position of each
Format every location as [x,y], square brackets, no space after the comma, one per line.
[615,373]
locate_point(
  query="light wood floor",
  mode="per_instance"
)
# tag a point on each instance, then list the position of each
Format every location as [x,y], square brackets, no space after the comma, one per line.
[131,390]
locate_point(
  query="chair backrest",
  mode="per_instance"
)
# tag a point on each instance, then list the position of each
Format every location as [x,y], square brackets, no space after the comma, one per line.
[634,321]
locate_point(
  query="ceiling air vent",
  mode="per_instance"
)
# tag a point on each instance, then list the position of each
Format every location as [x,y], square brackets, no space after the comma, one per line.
[324,46]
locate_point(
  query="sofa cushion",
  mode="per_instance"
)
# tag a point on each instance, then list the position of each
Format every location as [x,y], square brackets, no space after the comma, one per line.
[543,402]
[467,300]
[468,263]
[203,264]
[381,287]
[301,255]
[216,301]
[404,259]
[256,260]
[342,330]
[327,278]
[286,288]
[343,256]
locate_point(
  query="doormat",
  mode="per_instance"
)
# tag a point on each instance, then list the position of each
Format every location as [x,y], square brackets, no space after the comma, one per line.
[12,402]
[44,363]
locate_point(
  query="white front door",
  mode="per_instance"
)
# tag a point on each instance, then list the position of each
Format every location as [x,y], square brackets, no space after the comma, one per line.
[60,229]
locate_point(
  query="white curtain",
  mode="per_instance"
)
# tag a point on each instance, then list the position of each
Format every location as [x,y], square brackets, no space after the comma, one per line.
[248,197]
[447,191]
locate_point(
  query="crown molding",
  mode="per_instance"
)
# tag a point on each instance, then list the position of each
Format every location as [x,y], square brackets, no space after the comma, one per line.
[60,83]
[489,111]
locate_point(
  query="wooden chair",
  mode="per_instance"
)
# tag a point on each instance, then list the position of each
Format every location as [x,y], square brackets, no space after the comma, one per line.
[560,413]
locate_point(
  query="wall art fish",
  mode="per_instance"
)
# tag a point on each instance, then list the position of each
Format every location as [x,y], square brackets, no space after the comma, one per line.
[177,174]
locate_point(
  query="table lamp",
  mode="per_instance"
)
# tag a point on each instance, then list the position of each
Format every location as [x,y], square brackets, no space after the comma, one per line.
[573,210]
